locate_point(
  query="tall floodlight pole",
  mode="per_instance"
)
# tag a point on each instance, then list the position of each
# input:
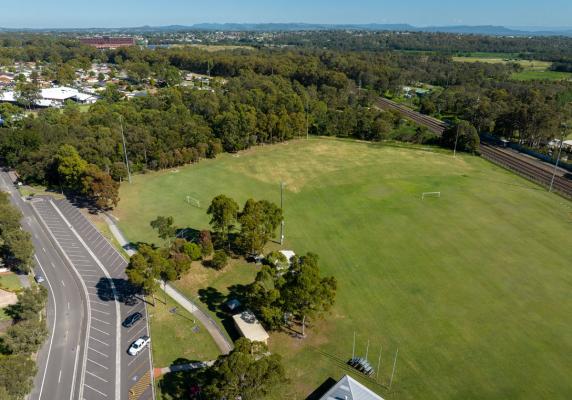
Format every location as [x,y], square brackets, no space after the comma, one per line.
[393,370]
[354,347]
[378,364]
[125,150]
[564,126]
[456,140]
[367,350]
[282,209]
[307,128]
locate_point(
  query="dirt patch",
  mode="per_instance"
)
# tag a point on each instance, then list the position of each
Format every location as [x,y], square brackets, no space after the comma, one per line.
[7,298]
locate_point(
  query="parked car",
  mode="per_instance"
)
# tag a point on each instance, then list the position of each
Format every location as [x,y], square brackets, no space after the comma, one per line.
[132,319]
[39,278]
[139,345]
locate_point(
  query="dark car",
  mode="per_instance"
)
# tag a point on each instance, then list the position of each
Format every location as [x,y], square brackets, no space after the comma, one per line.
[132,319]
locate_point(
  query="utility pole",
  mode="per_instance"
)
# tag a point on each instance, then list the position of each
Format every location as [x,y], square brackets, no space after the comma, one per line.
[282,209]
[456,140]
[564,127]
[307,128]
[378,364]
[393,371]
[125,150]
[354,346]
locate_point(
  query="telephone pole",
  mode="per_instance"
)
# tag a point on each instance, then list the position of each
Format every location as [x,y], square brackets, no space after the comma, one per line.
[282,209]
[564,128]
[125,150]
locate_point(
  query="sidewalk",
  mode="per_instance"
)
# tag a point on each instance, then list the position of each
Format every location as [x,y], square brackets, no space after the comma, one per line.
[210,325]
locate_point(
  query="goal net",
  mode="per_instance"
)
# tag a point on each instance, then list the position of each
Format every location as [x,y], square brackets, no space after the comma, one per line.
[430,194]
[193,201]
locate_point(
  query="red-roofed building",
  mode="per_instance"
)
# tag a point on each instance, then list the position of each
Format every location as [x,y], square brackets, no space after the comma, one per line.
[106,42]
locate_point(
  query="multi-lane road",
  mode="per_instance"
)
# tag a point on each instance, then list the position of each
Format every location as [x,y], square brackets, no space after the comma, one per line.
[85,356]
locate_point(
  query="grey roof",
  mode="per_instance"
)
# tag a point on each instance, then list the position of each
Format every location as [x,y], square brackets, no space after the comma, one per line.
[348,388]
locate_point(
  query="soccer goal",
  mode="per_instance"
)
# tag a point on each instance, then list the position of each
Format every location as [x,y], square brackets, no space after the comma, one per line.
[430,194]
[193,202]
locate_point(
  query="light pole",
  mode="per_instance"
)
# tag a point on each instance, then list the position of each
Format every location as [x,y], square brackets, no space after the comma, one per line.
[125,150]
[456,140]
[282,209]
[564,129]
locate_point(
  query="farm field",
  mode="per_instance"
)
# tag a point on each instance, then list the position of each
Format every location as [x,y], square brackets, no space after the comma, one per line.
[532,69]
[473,287]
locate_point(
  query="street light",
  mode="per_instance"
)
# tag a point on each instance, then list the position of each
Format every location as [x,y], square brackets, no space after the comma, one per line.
[564,129]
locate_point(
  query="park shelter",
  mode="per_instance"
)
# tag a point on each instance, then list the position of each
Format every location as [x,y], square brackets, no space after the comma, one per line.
[348,388]
[249,327]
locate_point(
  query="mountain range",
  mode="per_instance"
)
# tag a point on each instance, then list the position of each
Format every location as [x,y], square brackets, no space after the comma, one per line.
[490,30]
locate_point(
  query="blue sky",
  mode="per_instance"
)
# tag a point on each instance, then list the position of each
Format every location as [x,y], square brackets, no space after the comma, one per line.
[117,13]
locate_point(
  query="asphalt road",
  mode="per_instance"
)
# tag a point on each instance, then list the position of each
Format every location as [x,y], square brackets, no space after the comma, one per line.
[109,372]
[58,359]
[85,356]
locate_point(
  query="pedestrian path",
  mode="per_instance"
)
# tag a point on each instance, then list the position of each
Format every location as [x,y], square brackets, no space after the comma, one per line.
[224,344]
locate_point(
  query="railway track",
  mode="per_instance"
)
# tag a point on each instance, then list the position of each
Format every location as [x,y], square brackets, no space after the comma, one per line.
[527,169]
[433,124]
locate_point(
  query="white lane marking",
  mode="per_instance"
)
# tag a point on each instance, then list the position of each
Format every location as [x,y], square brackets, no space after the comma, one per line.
[117,309]
[103,312]
[68,305]
[63,284]
[53,265]
[97,302]
[53,326]
[92,374]
[98,364]
[74,371]
[98,352]
[100,331]
[98,320]
[95,390]
[99,341]
[60,376]
[44,249]
[137,334]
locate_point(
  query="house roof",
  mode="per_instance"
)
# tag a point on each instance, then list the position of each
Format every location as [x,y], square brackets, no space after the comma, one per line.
[249,327]
[348,388]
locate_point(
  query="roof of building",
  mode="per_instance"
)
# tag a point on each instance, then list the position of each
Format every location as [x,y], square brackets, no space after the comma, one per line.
[59,93]
[348,388]
[288,254]
[249,327]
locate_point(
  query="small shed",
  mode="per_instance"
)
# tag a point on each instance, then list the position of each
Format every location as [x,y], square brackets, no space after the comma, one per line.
[249,327]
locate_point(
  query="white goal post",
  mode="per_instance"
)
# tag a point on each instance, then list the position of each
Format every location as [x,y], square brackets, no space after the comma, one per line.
[430,194]
[193,202]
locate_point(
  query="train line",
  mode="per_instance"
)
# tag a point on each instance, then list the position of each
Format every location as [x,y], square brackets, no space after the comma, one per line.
[433,124]
[527,169]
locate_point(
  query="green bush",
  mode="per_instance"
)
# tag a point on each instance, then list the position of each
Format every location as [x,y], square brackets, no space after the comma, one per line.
[220,259]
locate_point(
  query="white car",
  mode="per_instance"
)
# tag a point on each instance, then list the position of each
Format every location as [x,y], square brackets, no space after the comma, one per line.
[139,345]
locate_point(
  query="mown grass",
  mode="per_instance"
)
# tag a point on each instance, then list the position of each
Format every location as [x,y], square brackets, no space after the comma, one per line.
[174,341]
[542,75]
[473,288]
[10,281]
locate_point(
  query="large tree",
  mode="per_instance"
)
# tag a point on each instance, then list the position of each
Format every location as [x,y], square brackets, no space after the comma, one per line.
[164,227]
[16,375]
[31,301]
[223,211]
[18,247]
[464,134]
[145,268]
[247,372]
[25,337]
[100,188]
[259,220]
[306,293]
[70,167]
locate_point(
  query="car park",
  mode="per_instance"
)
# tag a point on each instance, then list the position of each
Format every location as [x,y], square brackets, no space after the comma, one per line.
[139,345]
[132,319]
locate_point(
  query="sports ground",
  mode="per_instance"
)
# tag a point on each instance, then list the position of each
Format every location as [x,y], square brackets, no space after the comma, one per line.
[473,287]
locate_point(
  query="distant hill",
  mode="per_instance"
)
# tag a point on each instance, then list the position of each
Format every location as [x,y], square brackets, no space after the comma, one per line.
[490,30]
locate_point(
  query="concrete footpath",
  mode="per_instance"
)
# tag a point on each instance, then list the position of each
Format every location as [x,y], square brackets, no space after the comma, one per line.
[210,325]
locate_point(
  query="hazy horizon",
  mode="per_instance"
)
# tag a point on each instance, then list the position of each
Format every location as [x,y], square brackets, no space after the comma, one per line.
[42,14]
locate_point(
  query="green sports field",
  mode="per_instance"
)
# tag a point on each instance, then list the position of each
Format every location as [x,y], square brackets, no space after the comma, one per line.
[473,287]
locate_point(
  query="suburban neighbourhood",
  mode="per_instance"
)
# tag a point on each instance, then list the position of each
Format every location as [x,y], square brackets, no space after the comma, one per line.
[321,210]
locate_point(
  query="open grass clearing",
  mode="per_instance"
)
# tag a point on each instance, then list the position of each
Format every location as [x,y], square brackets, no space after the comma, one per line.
[473,288]
[10,281]
[542,76]
[174,341]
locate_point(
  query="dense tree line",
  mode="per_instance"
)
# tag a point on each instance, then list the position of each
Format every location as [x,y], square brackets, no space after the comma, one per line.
[266,95]
[20,341]
[16,249]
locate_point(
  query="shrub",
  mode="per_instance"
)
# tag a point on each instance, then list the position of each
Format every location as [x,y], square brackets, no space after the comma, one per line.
[220,259]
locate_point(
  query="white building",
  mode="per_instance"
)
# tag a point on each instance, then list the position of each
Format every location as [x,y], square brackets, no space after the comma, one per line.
[249,327]
[53,97]
[348,388]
